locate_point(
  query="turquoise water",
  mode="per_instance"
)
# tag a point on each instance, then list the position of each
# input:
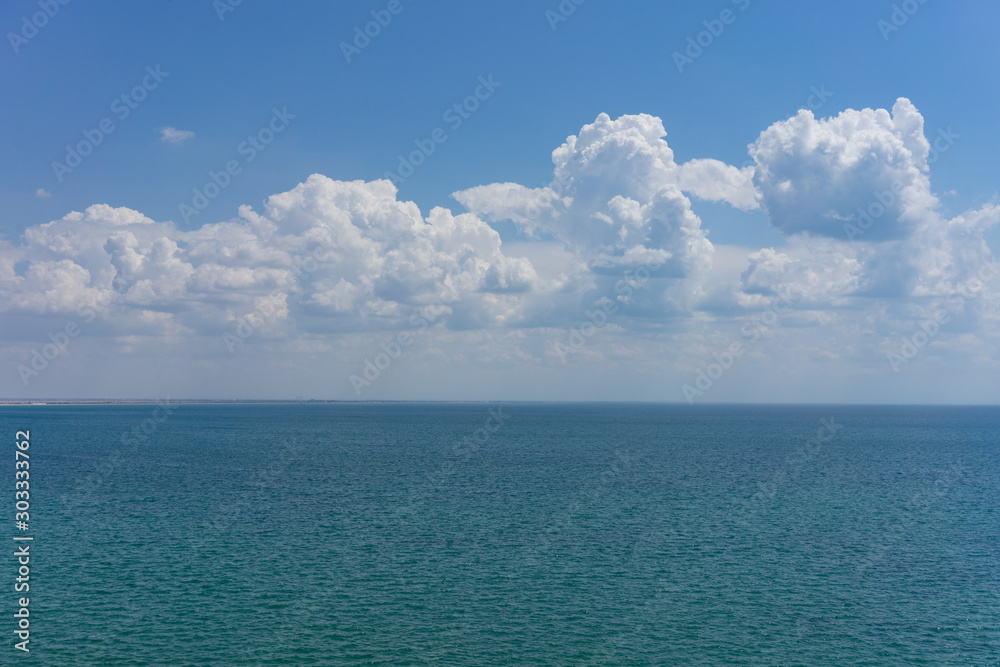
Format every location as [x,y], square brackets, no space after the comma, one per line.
[557,534]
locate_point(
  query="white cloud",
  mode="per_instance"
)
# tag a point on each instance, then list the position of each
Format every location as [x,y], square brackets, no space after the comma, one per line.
[617,200]
[819,176]
[382,260]
[713,180]
[42,193]
[614,192]
[853,194]
[616,204]
[172,135]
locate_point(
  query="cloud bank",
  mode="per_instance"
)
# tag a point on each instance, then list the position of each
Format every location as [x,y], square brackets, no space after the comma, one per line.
[867,255]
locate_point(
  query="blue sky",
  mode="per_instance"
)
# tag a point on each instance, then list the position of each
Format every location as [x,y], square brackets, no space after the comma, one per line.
[353,119]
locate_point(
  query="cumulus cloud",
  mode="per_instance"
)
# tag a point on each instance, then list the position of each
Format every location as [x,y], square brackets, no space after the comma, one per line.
[854,191]
[341,255]
[614,198]
[866,252]
[172,135]
[713,180]
[617,203]
[42,193]
[817,275]
[818,176]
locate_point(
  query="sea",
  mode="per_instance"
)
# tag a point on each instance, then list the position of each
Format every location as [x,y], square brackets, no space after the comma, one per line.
[504,534]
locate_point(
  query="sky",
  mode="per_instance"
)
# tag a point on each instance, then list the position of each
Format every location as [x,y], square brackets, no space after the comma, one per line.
[713,201]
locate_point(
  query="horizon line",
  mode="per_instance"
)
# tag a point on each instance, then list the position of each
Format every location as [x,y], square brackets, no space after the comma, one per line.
[265,401]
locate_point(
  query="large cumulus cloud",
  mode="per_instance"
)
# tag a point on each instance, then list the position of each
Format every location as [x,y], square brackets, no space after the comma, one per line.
[614,198]
[345,253]
[865,254]
[617,202]
[816,175]
[853,195]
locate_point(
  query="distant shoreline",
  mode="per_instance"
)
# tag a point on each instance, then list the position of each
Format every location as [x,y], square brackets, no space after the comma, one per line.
[194,401]
[188,401]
